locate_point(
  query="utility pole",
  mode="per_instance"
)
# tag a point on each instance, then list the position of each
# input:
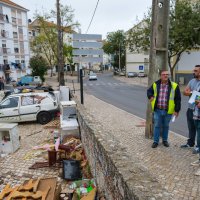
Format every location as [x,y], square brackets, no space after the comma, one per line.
[60,47]
[158,50]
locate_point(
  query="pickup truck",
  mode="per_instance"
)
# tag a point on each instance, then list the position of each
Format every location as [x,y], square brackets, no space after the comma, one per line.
[40,107]
[29,80]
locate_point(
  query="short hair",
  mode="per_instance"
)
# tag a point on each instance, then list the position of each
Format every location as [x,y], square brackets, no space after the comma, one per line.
[197,66]
[162,70]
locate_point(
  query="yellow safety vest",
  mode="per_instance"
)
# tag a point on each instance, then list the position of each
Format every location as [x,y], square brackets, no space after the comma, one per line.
[171,104]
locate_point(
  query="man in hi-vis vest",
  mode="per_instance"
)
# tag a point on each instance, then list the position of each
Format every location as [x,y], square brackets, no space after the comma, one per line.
[165,98]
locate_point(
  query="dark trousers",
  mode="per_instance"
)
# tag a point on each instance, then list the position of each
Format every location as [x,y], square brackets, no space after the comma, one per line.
[191,127]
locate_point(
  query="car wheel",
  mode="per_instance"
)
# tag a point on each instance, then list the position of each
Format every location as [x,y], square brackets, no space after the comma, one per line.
[44,117]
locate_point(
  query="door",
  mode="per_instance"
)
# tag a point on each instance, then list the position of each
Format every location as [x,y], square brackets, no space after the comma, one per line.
[9,110]
[29,108]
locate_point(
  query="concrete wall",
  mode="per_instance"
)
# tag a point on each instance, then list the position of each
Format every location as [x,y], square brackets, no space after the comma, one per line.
[117,176]
[134,60]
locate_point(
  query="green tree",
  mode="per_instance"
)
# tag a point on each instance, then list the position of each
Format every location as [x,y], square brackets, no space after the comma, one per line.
[116,44]
[45,44]
[38,65]
[184,19]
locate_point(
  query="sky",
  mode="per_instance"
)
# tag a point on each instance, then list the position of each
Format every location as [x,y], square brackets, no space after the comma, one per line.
[111,15]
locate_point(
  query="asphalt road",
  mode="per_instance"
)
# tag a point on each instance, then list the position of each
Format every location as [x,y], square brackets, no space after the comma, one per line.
[131,98]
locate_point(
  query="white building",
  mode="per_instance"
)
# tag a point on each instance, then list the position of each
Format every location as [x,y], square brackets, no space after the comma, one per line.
[14,40]
[137,61]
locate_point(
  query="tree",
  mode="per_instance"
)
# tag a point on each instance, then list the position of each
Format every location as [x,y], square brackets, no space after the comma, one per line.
[184,19]
[116,44]
[39,66]
[45,44]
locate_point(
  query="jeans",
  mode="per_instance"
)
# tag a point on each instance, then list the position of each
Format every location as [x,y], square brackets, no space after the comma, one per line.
[191,127]
[161,122]
[197,125]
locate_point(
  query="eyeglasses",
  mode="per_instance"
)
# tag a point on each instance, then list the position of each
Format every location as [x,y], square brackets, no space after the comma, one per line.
[164,74]
[195,70]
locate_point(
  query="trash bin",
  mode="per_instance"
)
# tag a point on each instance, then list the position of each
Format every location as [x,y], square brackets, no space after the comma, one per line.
[71,170]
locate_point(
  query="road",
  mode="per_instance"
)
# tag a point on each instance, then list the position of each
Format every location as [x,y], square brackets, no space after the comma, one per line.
[131,98]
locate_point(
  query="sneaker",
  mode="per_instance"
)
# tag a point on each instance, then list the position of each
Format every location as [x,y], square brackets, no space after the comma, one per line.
[165,143]
[154,145]
[196,150]
[186,146]
[196,163]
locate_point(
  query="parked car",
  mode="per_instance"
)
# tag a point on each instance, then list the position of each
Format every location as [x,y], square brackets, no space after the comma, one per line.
[29,80]
[141,74]
[131,74]
[122,73]
[92,76]
[22,107]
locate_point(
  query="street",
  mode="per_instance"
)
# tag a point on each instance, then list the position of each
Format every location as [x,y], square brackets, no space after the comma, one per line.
[131,98]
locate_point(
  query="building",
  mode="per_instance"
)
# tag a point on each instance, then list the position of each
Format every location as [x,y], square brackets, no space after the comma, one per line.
[14,40]
[87,51]
[137,61]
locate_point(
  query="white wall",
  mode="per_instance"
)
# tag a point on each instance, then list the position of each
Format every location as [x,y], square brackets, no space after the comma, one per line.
[134,60]
[188,61]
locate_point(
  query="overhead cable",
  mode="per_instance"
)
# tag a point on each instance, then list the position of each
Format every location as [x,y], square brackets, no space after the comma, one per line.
[93,16]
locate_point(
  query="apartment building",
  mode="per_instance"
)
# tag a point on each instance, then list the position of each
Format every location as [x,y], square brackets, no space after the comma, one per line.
[14,40]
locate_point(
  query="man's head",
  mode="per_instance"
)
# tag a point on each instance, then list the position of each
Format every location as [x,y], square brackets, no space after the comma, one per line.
[164,75]
[196,72]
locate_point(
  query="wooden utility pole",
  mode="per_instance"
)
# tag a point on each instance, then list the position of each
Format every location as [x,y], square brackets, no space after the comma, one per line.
[60,47]
[158,50]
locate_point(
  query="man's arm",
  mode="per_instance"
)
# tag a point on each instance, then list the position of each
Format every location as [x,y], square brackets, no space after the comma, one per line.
[150,93]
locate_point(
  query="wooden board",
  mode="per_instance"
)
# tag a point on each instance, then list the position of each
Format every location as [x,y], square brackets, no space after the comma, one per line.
[48,182]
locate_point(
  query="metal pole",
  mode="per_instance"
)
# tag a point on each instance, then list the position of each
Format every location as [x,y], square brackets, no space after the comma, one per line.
[119,59]
[81,83]
[60,47]
[158,50]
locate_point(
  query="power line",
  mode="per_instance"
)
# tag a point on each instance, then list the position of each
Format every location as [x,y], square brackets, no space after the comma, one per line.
[93,15]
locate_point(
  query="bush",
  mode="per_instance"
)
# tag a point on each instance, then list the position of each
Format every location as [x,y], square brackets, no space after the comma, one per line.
[39,66]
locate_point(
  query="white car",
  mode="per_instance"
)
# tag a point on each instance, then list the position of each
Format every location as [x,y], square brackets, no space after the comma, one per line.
[29,107]
[92,76]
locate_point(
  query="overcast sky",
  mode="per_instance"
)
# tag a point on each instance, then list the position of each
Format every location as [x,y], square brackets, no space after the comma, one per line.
[111,15]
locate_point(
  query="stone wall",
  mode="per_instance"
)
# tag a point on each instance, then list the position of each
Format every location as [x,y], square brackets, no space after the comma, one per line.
[118,176]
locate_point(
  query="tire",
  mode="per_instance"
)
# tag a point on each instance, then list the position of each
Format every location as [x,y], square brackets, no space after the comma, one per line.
[44,117]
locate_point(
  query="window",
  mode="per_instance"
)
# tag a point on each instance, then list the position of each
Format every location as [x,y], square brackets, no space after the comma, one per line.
[10,103]
[29,100]
[16,50]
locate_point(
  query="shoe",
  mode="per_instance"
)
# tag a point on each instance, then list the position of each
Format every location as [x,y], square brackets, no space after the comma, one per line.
[154,145]
[186,146]
[196,163]
[165,143]
[196,150]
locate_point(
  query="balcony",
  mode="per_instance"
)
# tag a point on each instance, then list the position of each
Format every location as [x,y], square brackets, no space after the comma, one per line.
[4,33]
[5,51]
[21,37]
[19,21]
[15,35]
[14,20]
